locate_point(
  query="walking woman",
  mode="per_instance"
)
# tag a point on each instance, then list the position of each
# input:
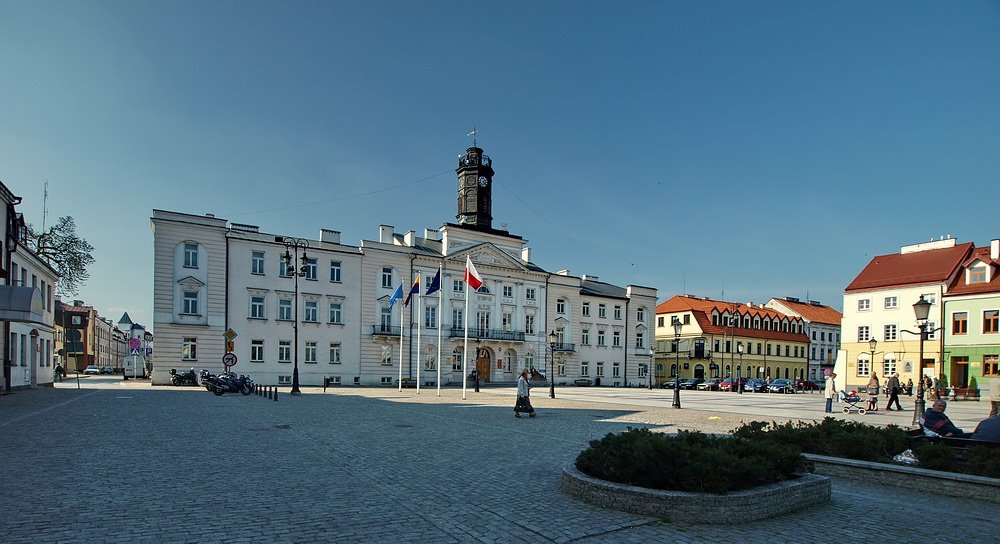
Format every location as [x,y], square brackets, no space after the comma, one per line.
[523,401]
[830,392]
[873,387]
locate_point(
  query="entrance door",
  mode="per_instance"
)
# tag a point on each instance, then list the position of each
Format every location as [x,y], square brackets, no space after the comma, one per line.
[959,372]
[699,372]
[483,359]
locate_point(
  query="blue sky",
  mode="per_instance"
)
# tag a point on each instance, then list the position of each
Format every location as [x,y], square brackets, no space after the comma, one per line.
[753,148]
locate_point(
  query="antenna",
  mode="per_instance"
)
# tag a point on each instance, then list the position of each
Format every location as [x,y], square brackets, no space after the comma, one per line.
[45,200]
[474,133]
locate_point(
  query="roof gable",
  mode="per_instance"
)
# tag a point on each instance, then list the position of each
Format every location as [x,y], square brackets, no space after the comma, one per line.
[921,267]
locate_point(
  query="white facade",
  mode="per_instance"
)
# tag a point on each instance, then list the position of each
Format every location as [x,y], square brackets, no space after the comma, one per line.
[32,345]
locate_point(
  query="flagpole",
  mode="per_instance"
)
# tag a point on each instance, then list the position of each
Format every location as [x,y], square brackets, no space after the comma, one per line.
[401,346]
[465,348]
[420,306]
[440,324]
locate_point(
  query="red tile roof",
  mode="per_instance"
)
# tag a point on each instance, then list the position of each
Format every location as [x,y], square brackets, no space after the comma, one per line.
[921,267]
[814,313]
[959,287]
[702,309]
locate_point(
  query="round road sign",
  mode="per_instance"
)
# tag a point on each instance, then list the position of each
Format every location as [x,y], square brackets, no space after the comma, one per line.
[229,359]
[134,343]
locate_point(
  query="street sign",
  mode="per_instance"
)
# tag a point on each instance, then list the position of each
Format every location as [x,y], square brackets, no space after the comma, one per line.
[229,359]
[134,343]
[135,351]
[230,334]
[230,346]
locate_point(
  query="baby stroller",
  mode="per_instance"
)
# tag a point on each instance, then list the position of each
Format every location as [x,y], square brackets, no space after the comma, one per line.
[852,399]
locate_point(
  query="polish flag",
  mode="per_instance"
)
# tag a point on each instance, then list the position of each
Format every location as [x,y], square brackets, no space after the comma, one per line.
[472,276]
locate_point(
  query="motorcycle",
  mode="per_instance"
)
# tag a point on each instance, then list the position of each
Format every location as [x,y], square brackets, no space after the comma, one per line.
[187,378]
[227,382]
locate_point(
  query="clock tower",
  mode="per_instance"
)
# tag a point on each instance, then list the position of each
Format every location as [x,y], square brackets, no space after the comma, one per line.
[475,189]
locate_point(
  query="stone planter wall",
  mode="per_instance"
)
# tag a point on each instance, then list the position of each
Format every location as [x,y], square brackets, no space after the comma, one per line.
[736,507]
[930,481]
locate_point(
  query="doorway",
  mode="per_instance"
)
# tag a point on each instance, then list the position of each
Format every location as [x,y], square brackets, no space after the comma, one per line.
[483,358]
[959,372]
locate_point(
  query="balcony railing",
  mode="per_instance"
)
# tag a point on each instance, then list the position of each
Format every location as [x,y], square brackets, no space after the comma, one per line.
[385,330]
[488,334]
[564,347]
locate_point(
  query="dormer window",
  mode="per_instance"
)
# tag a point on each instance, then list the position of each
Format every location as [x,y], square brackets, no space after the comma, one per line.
[978,274]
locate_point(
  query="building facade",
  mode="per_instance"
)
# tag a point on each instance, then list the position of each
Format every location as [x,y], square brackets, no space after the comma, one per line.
[720,339]
[327,308]
[972,322]
[822,326]
[32,344]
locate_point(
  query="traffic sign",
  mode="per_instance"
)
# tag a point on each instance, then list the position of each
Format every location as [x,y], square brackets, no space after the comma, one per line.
[135,351]
[230,346]
[229,359]
[230,334]
[134,343]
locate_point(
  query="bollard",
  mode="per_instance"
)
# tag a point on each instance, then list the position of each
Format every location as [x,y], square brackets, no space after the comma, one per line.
[270,393]
[275,393]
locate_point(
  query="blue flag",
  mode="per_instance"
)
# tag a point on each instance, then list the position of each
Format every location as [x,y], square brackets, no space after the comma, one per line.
[396,295]
[435,283]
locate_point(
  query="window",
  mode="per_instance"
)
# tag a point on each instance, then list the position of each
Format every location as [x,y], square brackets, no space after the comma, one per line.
[284,266]
[508,291]
[385,320]
[864,367]
[190,255]
[889,365]
[387,277]
[586,309]
[600,369]
[990,365]
[891,303]
[640,315]
[687,320]
[585,369]
[284,380]
[336,313]
[309,269]
[335,271]
[602,311]
[257,307]
[457,318]
[560,306]
[990,321]
[889,333]
[864,333]
[616,371]
[334,353]
[256,351]
[311,313]
[585,337]
[190,303]
[600,338]
[189,349]
[529,324]
[483,319]
[285,309]
[616,339]
[430,317]
[659,321]
[931,333]
[257,263]
[310,355]
[864,304]
[977,274]
[960,323]
[639,340]
[458,286]
[561,368]
[284,351]
[930,297]
[507,321]
[618,313]
[529,293]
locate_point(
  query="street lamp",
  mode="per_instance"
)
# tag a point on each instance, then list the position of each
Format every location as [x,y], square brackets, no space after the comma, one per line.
[552,377]
[739,377]
[651,369]
[871,347]
[677,374]
[921,309]
[295,243]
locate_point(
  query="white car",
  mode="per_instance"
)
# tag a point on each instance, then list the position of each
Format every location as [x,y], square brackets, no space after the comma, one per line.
[91,369]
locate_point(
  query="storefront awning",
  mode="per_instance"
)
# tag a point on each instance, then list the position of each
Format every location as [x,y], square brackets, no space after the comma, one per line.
[21,304]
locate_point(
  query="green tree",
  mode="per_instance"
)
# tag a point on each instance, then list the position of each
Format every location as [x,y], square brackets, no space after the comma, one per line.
[64,250]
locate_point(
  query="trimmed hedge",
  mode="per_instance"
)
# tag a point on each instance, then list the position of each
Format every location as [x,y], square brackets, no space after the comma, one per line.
[688,461]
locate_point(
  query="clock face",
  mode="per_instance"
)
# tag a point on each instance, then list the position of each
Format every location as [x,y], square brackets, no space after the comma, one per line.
[483,181]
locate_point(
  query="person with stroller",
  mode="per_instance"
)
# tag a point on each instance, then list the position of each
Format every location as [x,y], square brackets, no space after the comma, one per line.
[873,388]
[892,387]
[523,403]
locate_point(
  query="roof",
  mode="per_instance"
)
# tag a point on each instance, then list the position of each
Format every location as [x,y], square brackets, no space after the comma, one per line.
[702,309]
[812,312]
[959,287]
[917,268]
[601,289]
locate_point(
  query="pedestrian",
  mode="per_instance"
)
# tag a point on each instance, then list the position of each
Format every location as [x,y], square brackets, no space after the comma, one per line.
[892,386]
[830,392]
[59,373]
[873,388]
[909,386]
[994,395]
[523,397]
[988,430]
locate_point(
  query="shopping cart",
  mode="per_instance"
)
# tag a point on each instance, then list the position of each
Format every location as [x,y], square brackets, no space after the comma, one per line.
[852,399]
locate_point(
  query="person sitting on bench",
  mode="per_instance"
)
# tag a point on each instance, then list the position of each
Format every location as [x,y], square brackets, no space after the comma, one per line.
[988,430]
[937,422]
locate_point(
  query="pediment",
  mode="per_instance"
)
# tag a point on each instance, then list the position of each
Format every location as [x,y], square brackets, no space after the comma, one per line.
[487,255]
[191,281]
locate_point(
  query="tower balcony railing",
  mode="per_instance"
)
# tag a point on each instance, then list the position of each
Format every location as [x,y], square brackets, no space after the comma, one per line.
[488,334]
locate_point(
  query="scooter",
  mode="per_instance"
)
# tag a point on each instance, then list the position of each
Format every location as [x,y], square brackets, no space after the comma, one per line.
[187,378]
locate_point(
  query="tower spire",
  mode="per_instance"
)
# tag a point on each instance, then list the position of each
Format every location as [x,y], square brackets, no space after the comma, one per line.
[474,133]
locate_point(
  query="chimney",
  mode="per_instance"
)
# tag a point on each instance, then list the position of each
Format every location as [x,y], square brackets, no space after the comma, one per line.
[385,234]
[410,238]
[995,249]
[329,236]
[430,234]
[526,254]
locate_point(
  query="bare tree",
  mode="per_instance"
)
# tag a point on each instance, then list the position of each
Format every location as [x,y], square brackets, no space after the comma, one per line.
[64,250]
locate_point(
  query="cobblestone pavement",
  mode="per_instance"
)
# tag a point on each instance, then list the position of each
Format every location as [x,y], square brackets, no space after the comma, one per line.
[127,462]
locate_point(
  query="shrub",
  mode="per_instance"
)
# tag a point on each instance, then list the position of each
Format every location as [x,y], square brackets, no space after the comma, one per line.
[832,437]
[688,461]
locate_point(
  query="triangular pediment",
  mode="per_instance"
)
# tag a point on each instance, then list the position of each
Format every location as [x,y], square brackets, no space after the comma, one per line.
[191,281]
[487,255]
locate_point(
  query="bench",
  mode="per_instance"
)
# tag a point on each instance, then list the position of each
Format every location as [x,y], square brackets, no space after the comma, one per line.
[918,436]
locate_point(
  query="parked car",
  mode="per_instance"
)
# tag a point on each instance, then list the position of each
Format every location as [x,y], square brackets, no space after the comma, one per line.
[91,369]
[711,384]
[727,384]
[690,383]
[808,385]
[754,385]
[107,370]
[781,386]
[668,384]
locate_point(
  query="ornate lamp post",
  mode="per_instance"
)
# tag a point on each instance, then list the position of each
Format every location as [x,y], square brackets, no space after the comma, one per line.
[295,243]
[871,348]
[739,377]
[553,337]
[652,368]
[921,308]
[677,374]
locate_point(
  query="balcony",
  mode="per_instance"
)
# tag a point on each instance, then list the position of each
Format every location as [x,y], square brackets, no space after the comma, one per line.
[385,330]
[488,334]
[564,347]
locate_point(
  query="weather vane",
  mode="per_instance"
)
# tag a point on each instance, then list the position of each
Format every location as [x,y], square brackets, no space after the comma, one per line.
[474,133]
